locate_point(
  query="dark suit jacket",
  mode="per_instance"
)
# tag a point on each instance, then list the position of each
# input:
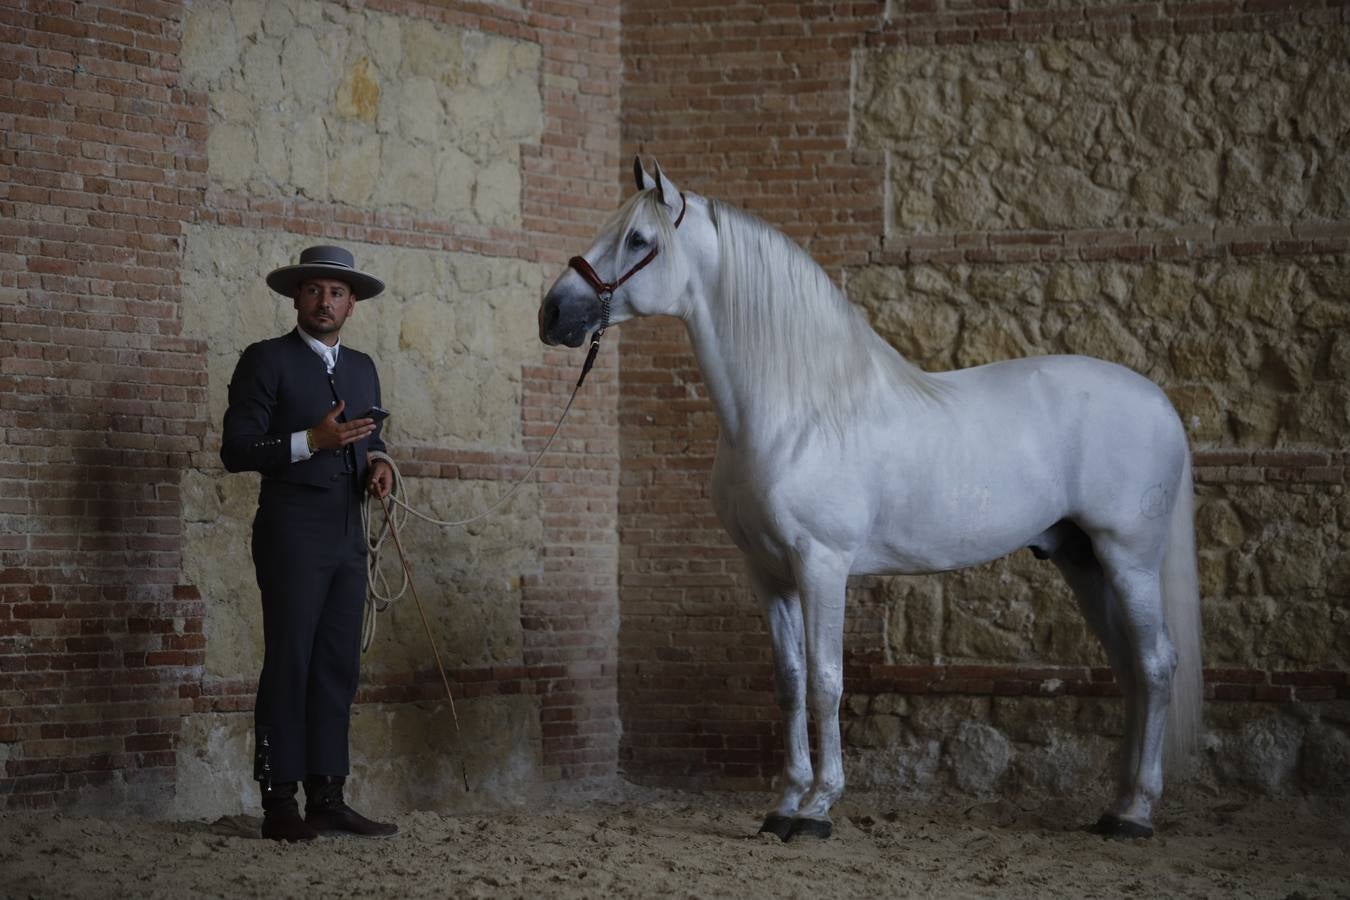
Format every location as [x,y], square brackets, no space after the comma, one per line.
[280,386]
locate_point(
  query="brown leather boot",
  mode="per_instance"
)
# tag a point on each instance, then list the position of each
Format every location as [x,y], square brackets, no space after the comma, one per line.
[326,812]
[281,815]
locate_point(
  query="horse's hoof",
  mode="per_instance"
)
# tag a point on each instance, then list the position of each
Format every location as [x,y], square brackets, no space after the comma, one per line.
[810,828]
[774,824]
[1118,829]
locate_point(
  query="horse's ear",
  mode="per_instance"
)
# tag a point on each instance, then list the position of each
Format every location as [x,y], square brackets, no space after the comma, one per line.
[666,189]
[640,176]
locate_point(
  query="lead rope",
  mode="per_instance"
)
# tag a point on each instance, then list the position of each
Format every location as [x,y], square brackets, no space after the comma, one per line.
[378,594]
[378,598]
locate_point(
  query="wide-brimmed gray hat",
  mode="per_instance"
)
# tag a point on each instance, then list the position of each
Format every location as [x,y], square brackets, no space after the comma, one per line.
[324,262]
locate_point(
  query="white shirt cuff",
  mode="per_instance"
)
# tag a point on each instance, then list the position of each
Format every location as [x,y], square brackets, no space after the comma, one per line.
[299,447]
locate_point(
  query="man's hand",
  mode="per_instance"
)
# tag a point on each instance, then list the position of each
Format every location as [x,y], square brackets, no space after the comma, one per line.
[330,434]
[381,479]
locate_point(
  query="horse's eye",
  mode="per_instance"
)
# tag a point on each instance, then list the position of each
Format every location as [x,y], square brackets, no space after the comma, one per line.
[636,241]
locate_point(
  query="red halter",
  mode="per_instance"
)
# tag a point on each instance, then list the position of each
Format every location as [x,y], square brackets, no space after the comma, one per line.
[605,289]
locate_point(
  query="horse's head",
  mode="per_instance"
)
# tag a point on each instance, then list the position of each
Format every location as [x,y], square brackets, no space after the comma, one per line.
[636,267]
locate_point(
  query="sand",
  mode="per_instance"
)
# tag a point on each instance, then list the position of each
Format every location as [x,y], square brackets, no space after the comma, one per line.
[649,843]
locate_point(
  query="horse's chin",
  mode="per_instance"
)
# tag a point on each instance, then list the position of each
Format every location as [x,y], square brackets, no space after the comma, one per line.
[573,331]
[573,335]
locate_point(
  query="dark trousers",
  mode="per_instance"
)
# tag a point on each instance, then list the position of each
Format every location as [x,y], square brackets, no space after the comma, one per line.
[310,558]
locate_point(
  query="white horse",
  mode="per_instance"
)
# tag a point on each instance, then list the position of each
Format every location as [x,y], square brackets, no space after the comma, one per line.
[838,457]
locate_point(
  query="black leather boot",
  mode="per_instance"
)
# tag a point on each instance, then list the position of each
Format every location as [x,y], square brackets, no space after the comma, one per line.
[281,814]
[326,812]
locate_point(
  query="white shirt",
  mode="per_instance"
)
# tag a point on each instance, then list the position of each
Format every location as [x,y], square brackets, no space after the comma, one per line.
[299,445]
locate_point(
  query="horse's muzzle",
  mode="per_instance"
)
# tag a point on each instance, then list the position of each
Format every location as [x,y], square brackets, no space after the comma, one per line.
[565,320]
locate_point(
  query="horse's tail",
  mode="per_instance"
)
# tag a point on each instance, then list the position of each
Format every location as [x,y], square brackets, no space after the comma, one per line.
[1181,610]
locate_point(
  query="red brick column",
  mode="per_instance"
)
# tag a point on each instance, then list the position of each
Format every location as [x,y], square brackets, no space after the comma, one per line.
[749,103]
[100,400]
[570,614]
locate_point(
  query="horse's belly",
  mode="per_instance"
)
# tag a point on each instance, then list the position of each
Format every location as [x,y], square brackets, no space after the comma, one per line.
[965,511]
[953,543]
[888,513]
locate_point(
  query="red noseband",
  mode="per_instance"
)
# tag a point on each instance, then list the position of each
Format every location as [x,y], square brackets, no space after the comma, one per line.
[605,289]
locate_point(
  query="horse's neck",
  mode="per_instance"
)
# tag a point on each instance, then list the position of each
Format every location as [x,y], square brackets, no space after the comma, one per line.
[781,349]
[729,398]
[751,418]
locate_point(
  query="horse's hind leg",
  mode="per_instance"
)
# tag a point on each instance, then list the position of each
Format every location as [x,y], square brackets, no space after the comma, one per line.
[783,613]
[1075,559]
[1118,585]
[1136,580]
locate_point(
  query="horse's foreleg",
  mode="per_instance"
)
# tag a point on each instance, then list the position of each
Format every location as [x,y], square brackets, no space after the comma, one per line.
[783,613]
[821,579]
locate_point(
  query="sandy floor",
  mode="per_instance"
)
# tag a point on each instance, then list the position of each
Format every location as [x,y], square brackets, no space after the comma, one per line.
[667,844]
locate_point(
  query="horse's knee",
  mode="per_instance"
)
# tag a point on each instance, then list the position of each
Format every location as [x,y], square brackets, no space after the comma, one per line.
[827,688]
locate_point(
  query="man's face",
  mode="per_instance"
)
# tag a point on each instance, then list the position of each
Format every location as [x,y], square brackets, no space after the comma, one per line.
[321,307]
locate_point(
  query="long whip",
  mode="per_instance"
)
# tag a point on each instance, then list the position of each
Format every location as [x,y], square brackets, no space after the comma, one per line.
[435,652]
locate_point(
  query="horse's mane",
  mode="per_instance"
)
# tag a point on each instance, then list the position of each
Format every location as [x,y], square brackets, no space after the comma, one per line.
[802,344]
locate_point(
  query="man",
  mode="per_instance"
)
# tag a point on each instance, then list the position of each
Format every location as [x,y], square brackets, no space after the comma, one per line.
[295,414]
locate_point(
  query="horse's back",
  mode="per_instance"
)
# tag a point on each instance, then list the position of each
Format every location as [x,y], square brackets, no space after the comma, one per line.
[1104,384]
[1088,405]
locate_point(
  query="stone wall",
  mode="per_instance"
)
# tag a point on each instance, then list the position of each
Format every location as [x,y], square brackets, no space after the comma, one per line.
[349,105]
[1209,128]
[1160,185]
[158,159]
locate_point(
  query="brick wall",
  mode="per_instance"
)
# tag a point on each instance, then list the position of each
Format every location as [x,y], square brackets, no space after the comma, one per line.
[100,399]
[103,404]
[750,103]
